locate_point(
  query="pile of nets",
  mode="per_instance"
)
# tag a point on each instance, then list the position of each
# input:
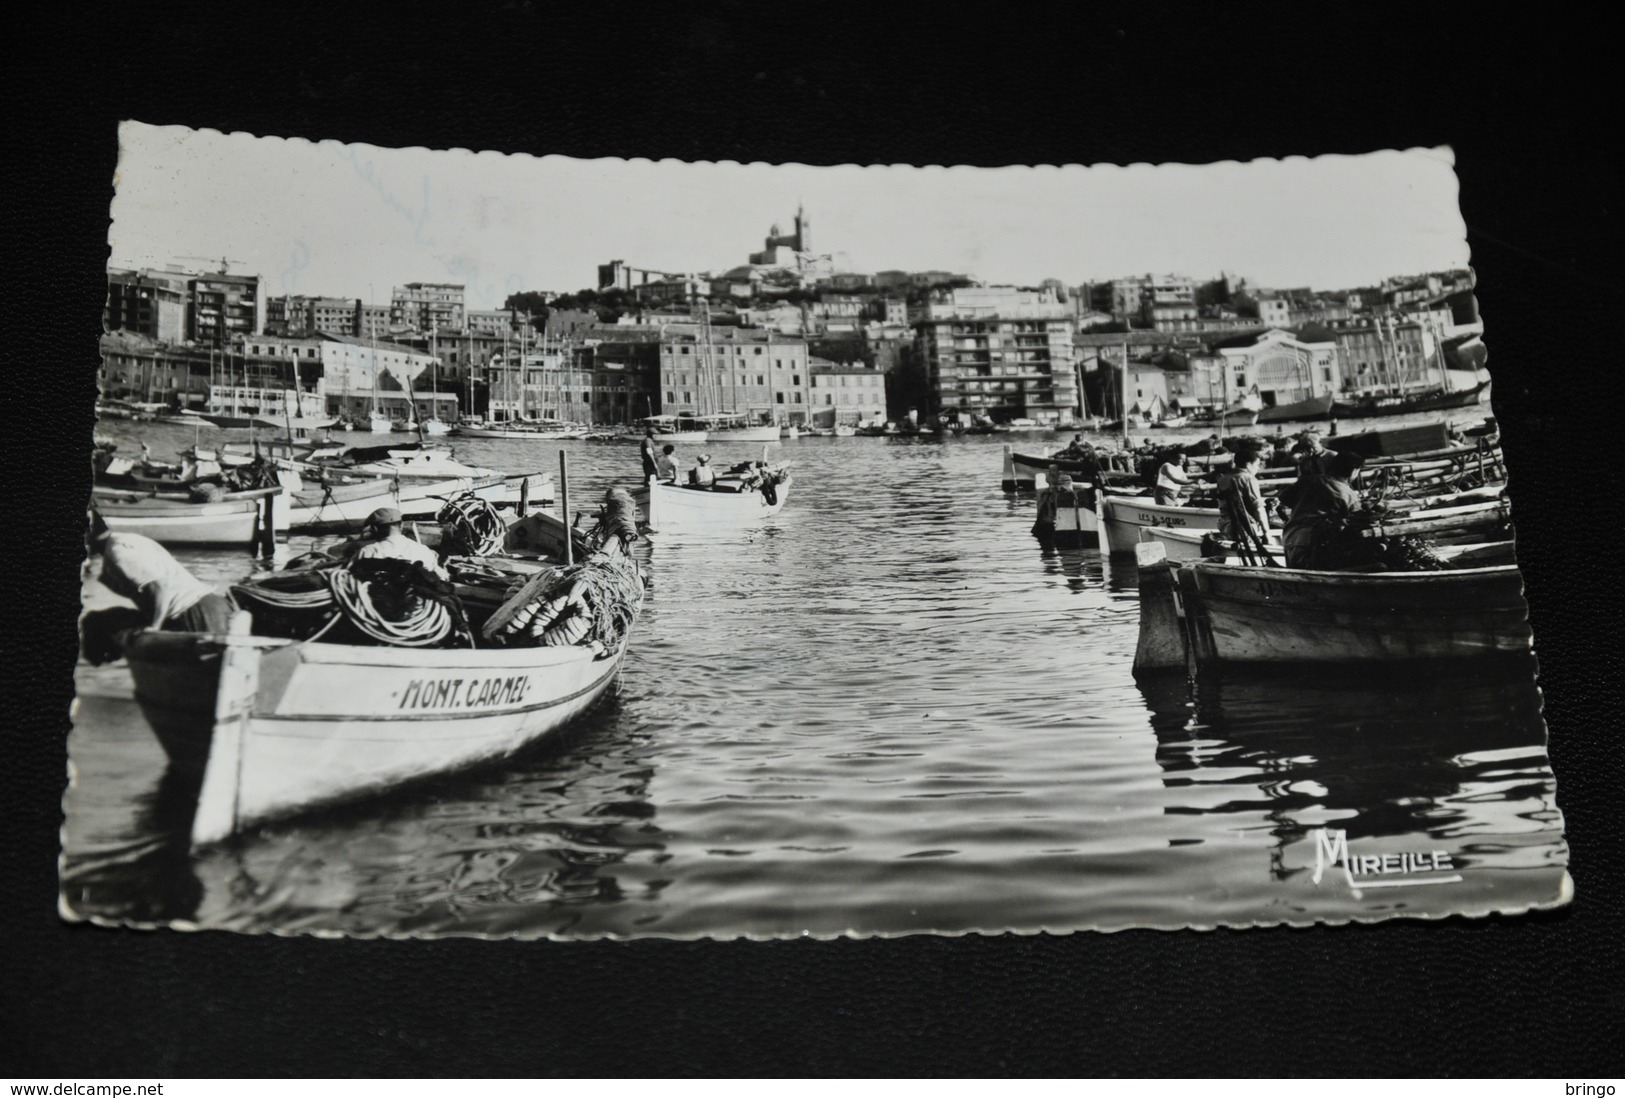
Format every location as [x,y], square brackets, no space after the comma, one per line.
[591,603]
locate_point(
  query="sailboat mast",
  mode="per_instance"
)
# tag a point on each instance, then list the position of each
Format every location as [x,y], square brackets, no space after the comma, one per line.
[1122,396]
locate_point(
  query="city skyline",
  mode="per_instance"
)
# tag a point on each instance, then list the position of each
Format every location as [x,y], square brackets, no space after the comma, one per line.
[356,220]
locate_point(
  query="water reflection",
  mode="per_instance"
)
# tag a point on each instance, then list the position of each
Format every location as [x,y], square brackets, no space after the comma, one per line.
[567,824]
[1449,752]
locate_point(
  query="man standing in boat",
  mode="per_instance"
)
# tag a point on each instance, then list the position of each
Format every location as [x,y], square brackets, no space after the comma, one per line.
[167,596]
[1243,516]
[650,455]
[385,541]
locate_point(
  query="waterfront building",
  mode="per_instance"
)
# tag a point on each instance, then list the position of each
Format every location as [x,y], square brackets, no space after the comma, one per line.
[845,393]
[1277,366]
[148,303]
[427,305]
[1000,351]
[1386,354]
[750,371]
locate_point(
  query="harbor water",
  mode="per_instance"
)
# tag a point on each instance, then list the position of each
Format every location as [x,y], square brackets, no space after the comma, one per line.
[891,710]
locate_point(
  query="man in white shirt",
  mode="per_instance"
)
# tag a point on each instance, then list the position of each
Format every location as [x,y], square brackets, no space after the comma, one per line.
[386,542]
[169,597]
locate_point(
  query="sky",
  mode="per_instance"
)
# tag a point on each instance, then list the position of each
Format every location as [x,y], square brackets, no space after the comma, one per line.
[355,220]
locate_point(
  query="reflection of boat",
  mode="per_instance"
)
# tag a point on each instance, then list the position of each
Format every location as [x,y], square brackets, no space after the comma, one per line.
[1233,613]
[676,508]
[277,727]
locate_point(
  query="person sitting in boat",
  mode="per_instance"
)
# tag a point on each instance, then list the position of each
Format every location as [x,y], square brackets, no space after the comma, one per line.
[666,465]
[385,541]
[169,597]
[651,457]
[1319,508]
[1314,460]
[1282,457]
[702,475]
[1242,514]
[1171,479]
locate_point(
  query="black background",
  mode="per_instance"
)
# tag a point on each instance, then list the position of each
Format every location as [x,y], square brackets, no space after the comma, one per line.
[1527,102]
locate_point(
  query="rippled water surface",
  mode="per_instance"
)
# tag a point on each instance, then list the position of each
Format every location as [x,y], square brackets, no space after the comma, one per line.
[889,711]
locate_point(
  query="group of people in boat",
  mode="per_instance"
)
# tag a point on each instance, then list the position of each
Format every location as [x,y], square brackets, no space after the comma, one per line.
[661,463]
[1310,512]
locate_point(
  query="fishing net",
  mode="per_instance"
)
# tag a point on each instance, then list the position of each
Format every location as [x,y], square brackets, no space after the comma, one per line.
[591,603]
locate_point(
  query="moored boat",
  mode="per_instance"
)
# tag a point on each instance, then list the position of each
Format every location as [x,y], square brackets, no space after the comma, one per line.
[1298,411]
[1397,404]
[270,726]
[1123,517]
[234,518]
[1210,612]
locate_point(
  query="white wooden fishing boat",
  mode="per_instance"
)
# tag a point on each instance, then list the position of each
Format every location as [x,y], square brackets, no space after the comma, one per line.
[379,424]
[1238,613]
[435,427]
[845,430]
[523,429]
[275,727]
[1123,517]
[672,508]
[174,520]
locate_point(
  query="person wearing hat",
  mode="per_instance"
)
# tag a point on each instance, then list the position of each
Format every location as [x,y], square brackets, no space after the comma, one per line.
[385,541]
[1314,460]
[169,597]
[702,475]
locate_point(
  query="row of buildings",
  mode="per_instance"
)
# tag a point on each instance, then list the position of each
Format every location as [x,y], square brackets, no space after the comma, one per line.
[1000,352]
[791,336]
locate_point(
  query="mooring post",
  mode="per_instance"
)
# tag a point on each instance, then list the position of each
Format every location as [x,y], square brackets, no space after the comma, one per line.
[564,507]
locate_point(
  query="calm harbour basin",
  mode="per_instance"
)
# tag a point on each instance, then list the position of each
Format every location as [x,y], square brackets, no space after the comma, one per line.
[890,710]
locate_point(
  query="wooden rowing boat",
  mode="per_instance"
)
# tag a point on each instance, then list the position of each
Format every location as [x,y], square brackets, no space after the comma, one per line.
[1123,517]
[271,727]
[1210,612]
[673,508]
[174,519]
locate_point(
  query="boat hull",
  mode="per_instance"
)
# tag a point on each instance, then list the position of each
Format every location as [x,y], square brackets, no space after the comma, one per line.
[1124,517]
[295,727]
[1244,614]
[743,434]
[676,509]
[179,522]
[1299,411]
[1068,517]
[1431,402]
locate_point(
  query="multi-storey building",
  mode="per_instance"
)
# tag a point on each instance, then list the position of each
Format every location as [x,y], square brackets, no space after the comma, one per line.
[845,393]
[296,315]
[222,307]
[748,371]
[1388,354]
[427,305]
[1000,351]
[149,303]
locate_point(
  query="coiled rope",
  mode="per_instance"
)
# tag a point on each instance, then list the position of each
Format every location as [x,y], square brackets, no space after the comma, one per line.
[426,624]
[473,524]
